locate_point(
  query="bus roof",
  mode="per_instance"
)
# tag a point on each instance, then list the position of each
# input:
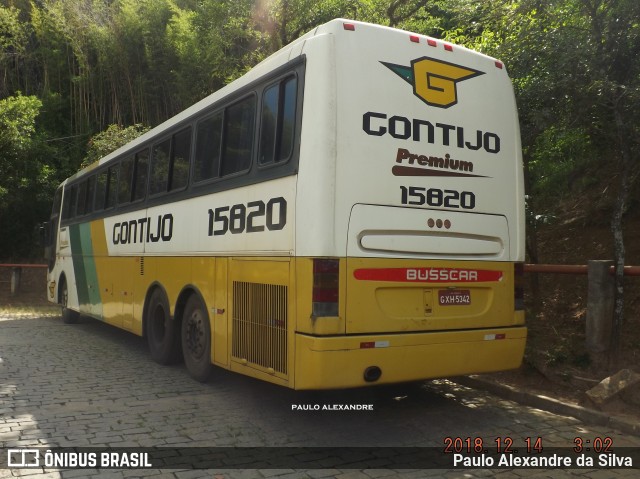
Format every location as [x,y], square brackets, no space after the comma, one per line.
[262,68]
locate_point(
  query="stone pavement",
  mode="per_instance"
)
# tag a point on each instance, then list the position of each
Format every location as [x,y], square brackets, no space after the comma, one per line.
[91,385]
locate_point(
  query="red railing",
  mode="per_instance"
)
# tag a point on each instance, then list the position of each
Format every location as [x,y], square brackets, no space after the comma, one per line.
[16,272]
[11,265]
[573,269]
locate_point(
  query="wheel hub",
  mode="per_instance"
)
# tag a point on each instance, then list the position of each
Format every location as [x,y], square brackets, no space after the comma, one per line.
[195,334]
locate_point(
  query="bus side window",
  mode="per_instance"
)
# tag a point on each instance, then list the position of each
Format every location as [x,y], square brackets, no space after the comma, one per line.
[91,190]
[112,187]
[278,122]
[51,230]
[288,118]
[238,136]
[141,174]
[57,202]
[180,153]
[124,183]
[69,204]
[208,142]
[101,190]
[81,207]
[160,167]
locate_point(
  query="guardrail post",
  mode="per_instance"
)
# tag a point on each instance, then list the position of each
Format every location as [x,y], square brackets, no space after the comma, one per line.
[600,302]
[16,274]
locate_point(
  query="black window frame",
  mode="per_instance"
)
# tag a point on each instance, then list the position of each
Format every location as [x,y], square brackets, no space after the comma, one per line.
[253,174]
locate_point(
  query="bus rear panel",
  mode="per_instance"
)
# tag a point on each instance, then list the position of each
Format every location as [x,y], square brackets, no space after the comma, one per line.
[427,211]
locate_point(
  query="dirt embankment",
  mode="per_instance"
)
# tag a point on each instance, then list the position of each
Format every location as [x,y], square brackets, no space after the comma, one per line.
[557,362]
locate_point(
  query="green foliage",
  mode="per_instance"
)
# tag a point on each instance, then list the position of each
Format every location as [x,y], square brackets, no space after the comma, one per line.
[13,33]
[110,140]
[558,156]
[14,37]
[86,64]
[26,180]
[17,124]
[18,145]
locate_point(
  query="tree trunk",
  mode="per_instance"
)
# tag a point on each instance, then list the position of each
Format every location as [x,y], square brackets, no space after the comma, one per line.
[531,239]
[624,173]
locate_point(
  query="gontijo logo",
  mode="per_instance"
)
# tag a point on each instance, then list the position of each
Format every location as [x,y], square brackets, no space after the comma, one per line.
[434,81]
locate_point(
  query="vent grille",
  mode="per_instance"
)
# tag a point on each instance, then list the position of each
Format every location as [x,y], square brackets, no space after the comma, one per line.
[141,265]
[260,325]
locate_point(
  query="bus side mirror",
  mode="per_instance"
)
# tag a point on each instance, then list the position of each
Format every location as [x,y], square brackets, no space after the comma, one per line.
[42,230]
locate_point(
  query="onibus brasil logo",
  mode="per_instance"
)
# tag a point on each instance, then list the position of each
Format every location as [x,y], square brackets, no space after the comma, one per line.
[434,81]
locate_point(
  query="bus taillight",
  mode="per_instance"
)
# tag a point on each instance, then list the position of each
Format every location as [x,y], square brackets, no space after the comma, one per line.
[518,283]
[326,282]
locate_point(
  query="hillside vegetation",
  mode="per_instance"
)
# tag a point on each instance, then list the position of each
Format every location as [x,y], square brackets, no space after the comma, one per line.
[79,77]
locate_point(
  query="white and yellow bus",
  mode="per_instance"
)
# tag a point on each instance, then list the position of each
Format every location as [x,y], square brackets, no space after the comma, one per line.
[349,212]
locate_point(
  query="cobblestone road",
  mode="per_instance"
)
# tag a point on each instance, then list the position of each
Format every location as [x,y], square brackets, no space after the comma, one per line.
[90,385]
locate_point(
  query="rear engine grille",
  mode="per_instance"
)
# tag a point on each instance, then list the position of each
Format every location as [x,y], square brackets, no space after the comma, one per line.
[260,325]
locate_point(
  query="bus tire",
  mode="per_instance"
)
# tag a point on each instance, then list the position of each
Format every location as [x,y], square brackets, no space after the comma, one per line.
[69,316]
[196,339]
[162,333]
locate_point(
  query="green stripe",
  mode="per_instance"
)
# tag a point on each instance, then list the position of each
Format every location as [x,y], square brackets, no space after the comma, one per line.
[84,265]
[91,272]
[78,265]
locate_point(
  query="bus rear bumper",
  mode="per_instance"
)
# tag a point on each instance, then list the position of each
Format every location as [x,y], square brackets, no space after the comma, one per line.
[341,361]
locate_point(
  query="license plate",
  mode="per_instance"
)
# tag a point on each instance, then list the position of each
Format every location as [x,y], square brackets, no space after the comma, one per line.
[454,297]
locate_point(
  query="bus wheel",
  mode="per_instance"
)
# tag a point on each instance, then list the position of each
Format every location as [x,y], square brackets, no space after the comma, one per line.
[69,316]
[161,330]
[196,339]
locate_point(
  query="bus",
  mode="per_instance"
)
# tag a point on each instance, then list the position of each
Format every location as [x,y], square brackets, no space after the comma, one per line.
[348,213]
